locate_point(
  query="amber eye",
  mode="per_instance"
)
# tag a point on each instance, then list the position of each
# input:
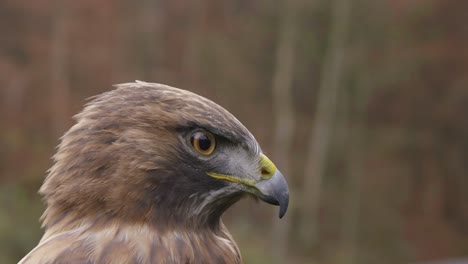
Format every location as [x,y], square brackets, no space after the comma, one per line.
[203,142]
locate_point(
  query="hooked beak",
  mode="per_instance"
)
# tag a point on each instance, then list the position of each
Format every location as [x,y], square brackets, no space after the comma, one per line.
[271,187]
[274,191]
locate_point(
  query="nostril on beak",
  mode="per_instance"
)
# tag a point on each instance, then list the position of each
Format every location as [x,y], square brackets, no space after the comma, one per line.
[264,172]
[267,168]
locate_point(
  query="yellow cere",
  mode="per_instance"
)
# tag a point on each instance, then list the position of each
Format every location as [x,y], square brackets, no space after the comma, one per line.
[267,167]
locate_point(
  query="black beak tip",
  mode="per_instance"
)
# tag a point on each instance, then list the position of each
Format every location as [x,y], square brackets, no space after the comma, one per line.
[283,203]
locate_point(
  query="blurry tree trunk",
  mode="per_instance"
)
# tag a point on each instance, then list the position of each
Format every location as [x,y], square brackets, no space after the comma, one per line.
[355,161]
[59,67]
[330,85]
[146,36]
[118,49]
[137,48]
[13,97]
[122,50]
[175,40]
[456,183]
[192,60]
[284,114]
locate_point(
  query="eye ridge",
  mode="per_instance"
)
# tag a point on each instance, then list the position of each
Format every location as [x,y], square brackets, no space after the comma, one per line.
[203,142]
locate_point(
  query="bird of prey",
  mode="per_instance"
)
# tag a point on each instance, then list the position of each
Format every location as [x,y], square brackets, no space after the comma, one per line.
[145,175]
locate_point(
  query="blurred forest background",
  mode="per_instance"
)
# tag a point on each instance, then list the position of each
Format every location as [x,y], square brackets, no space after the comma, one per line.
[361,103]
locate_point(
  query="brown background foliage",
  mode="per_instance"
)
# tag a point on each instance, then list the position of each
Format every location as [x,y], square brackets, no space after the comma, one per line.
[394,184]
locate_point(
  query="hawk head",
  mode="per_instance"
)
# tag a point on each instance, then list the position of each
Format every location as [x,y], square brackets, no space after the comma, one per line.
[158,155]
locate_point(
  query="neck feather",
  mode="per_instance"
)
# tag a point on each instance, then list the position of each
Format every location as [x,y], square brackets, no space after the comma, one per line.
[141,242]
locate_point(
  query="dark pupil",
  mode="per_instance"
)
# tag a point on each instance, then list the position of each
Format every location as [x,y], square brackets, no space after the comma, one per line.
[204,142]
